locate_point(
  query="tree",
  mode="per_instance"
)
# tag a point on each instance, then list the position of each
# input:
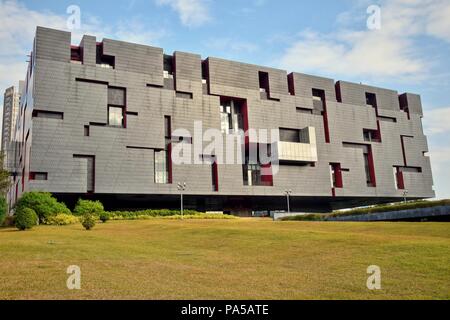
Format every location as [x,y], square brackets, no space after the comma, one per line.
[5,180]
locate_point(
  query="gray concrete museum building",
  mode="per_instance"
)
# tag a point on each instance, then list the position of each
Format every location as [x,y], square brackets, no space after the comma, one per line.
[100,121]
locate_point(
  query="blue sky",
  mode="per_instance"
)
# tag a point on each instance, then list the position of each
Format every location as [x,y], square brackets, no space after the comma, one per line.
[409,53]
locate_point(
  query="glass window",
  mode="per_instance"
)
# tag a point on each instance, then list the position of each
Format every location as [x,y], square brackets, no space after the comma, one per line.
[161,172]
[226,122]
[231,118]
[252,175]
[115,116]
[333,176]
[367,169]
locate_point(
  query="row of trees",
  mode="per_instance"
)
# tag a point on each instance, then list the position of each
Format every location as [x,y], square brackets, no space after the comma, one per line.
[4,176]
[5,183]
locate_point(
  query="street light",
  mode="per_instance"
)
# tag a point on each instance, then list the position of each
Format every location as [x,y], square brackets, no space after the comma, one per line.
[288,194]
[182,188]
[405,193]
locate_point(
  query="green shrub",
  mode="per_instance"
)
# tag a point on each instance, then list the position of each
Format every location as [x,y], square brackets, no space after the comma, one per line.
[148,214]
[62,219]
[88,206]
[43,203]
[3,209]
[104,216]
[306,217]
[202,216]
[88,220]
[26,218]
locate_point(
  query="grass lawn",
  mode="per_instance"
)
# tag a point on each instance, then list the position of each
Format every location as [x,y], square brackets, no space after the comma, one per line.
[227,259]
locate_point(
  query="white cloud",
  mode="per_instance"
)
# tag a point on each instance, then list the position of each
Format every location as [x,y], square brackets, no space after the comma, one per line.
[388,53]
[231,46]
[135,31]
[193,13]
[436,126]
[440,159]
[436,121]
[353,53]
[18,26]
[438,23]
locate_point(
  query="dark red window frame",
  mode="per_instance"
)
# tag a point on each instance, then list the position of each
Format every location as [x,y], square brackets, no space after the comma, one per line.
[76,53]
[321,93]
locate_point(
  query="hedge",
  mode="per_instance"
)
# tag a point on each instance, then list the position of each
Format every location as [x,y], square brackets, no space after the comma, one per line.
[391,207]
[374,209]
[148,214]
[201,217]
[163,214]
[43,203]
[26,218]
[62,220]
[307,217]
[3,209]
[88,206]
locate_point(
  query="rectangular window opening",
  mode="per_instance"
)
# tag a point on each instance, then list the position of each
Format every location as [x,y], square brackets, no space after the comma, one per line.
[90,172]
[371,100]
[304,110]
[371,135]
[155,86]
[290,135]
[291,84]
[231,116]
[184,95]
[369,167]
[161,173]
[48,114]
[399,180]
[115,117]
[168,66]
[87,131]
[264,88]
[387,119]
[76,54]
[205,77]
[254,172]
[336,175]
[337,89]
[214,176]
[403,102]
[104,61]
[163,158]
[253,175]
[38,176]
[117,107]
[320,107]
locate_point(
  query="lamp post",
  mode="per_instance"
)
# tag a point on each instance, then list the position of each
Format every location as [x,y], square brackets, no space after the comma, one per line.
[288,195]
[182,188]
[405,193]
